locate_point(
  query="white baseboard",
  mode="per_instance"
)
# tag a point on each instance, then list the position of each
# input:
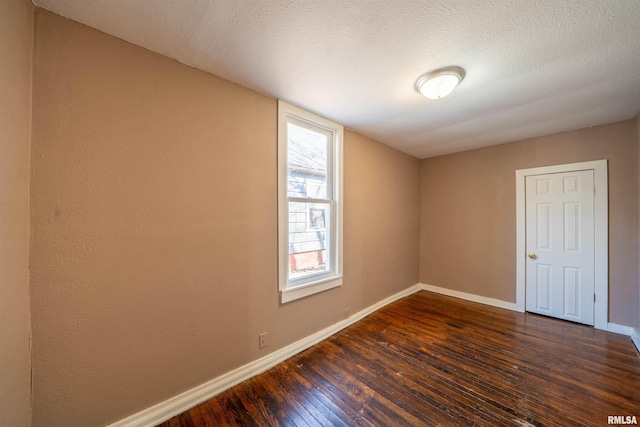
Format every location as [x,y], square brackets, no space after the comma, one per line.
[471,297]
[178,404]
[635,337]
[625,330]
[619,329]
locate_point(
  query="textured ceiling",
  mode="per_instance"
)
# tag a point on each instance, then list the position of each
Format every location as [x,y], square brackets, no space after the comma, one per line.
[533,67]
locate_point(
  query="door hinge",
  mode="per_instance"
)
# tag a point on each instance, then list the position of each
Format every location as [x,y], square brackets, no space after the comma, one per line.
[594,190]
[594,297]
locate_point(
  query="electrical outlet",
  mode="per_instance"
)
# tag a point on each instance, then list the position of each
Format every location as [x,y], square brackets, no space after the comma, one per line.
[347,313]
[262,340]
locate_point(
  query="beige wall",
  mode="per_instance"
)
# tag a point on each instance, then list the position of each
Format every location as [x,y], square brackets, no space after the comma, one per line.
[153,219]
[468,240]
[638,221]
[16,22]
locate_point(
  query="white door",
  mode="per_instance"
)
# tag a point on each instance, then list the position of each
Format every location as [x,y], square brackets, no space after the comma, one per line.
[560,245]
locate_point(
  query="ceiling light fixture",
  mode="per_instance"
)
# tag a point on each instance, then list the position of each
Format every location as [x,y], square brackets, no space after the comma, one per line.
[439,83]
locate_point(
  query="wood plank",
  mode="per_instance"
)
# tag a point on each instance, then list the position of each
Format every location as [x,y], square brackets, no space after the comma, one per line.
[221,416]
[200,417]
[310,402]
[433,360]
[271,404]
[277,384]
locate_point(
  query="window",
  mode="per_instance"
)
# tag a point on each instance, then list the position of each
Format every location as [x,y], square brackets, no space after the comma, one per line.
[309,203]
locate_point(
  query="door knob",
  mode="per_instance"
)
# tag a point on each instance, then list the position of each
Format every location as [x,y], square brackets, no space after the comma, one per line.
[533,256]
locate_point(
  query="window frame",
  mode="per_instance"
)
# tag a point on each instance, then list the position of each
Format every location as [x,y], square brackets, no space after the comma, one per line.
[291,290]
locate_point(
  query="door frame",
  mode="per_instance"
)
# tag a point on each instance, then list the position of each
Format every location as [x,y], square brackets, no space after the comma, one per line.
[601,236]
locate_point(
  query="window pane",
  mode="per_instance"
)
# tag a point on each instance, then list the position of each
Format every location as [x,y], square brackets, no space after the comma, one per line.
[306,162]
[308,239]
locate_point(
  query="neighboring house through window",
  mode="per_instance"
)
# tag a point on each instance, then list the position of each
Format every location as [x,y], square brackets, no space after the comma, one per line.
[309,203]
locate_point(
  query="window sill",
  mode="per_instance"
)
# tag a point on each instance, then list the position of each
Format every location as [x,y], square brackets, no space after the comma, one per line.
[310,289]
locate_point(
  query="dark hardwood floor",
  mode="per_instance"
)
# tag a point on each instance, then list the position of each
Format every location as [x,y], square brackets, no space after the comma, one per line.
[431,360]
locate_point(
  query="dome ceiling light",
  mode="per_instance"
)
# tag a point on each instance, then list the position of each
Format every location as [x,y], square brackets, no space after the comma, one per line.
[439,83]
